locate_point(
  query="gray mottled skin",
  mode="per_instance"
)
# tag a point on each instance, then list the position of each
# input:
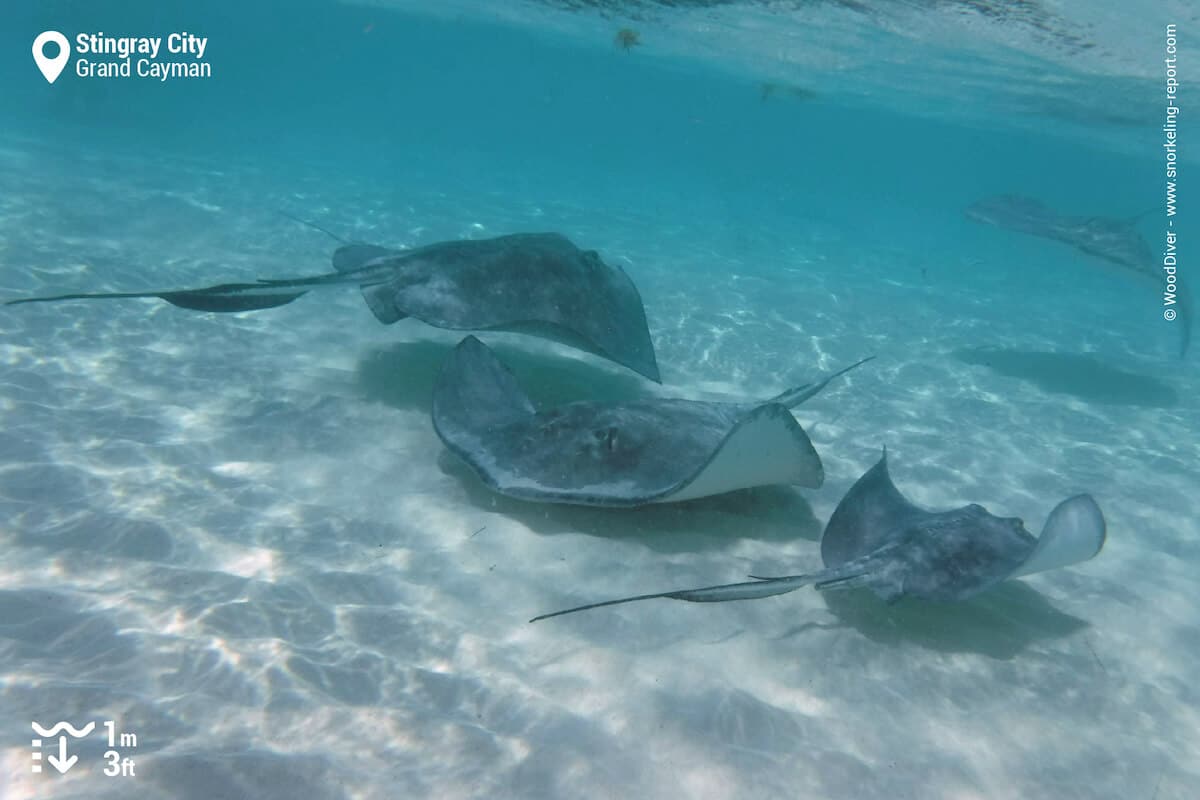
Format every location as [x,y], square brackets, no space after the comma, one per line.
[952,555]
[534,283]
[580,449]
[878,540]
[1109,239]
[585,453]
[538,283]
[898,549]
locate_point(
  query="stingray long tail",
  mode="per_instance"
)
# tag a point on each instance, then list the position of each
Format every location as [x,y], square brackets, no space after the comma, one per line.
[225,297]
[367,276]
[314,226]
[82,296]
[264,293]
[859,572]
[748,590]
[794,397]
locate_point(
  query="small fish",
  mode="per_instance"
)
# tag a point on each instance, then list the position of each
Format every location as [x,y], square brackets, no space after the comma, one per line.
[627,38]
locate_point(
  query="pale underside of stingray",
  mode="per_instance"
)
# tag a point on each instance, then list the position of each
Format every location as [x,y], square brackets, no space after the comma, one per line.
[877,539]
[1113,240]
[616,454]
[534,283]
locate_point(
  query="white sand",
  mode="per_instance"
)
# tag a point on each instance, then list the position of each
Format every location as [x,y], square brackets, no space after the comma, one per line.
[239,537]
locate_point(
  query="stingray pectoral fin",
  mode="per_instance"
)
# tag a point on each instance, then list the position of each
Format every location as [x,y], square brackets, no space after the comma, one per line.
[750,590]
[475,392]
[794,397]
[866,518]
[1075,531]
[382,300]
[766,447]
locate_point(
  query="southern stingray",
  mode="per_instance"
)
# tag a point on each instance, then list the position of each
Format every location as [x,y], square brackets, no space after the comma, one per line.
[534,283]
[1110,239]
[626,454]
[877,539]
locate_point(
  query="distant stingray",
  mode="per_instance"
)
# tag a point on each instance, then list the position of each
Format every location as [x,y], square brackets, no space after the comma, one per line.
[1110,239]
[533,283]
[878,540]
[616,454]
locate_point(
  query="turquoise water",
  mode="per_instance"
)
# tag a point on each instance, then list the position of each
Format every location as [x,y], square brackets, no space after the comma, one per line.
[238,537]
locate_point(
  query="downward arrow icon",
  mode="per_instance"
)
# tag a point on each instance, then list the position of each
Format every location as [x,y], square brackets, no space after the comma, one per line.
[61,762]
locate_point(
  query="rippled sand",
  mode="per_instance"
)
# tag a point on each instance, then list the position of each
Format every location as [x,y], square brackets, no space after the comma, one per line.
[238,535]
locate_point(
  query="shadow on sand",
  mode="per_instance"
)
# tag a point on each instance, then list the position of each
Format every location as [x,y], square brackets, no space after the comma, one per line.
[999,623]
[1080,376]
[763,513]
[402,375]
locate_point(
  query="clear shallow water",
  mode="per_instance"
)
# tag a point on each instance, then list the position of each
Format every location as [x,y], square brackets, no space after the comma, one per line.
[239,536]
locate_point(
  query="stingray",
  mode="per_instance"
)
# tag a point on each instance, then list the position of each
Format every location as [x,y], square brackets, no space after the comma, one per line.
[1112,240]
[533,283]
[655,450]
[877,539]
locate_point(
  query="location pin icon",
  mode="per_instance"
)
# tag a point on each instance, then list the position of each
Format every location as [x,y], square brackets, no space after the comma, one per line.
[51,67]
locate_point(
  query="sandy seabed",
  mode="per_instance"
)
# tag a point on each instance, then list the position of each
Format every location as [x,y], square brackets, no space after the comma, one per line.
[238,537]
